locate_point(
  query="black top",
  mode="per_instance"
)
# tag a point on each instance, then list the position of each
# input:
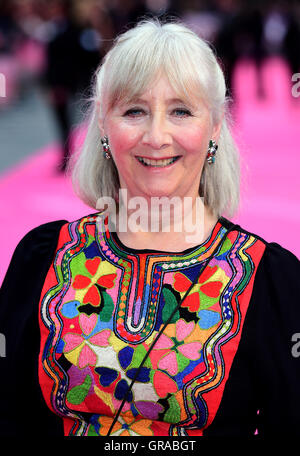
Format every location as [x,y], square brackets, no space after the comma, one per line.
[265,373]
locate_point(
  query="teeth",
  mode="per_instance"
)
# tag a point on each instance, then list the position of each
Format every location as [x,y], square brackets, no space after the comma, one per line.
[158,163]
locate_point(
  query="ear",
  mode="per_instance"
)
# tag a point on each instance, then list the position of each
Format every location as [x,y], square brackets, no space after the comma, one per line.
[100,121]
[217,129]
[101,128]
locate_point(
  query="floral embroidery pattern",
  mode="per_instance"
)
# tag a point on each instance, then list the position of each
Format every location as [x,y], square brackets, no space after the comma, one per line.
[97,273]
[207,291]
[127,425]
[176,352]
[79,348]
[92,327]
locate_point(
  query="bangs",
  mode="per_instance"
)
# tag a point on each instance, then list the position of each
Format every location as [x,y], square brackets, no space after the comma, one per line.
[128,77]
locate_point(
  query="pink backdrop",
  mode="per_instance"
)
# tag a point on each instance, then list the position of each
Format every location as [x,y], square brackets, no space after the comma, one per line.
[267,131]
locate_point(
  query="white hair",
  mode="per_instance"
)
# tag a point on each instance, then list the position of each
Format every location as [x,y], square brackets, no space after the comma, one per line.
[137,56]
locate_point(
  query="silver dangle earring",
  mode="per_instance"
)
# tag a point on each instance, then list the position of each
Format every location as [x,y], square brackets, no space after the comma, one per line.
[211,153]
[106,148]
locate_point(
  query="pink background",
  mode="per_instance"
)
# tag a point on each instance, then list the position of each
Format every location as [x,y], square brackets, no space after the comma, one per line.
[267,131]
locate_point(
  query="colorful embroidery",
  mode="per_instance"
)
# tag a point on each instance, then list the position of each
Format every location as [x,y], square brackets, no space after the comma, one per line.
[102,307]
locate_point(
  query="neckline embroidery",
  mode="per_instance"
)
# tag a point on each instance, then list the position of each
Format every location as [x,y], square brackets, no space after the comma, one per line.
[185,258]
[142,277]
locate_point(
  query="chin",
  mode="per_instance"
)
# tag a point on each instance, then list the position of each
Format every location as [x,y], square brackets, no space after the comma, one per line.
[155,192]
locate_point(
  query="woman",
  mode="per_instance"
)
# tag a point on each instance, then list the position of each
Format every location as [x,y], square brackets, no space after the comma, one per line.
[179,330]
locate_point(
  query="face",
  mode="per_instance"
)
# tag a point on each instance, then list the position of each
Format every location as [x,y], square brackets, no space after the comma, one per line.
[159,142]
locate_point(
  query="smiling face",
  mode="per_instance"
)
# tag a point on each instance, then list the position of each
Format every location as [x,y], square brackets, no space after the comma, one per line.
[159,142]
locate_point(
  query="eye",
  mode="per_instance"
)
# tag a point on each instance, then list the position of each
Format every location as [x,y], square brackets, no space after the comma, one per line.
[134,112]
[182,112]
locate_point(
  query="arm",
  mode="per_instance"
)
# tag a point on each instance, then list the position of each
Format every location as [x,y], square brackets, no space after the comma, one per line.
[265,374]
[22,409]
[277,299]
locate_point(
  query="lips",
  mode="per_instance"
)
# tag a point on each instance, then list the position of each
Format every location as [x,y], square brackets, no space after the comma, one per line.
[157,163]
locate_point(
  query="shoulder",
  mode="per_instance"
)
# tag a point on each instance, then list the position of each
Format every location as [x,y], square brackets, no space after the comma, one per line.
[44,234]
[33,254]
[277,272]
[39,239]
[33,251]
[275,257]
[42,240]
[43,231]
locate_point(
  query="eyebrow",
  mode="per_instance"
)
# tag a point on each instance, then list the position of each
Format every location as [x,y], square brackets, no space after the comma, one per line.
[169,100]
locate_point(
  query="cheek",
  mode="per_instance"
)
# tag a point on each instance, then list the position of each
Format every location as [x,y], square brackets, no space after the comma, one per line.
[122,139]
[195,142]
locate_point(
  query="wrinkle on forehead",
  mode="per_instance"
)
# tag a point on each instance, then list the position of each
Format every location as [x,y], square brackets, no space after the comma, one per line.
[182,95]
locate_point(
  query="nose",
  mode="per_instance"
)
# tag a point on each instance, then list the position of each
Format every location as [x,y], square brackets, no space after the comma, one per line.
[157,134]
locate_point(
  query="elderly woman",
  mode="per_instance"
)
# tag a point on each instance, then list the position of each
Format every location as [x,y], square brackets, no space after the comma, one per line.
[116,328]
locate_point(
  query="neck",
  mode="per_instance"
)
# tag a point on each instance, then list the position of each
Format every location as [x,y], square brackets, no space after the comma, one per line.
[172,225]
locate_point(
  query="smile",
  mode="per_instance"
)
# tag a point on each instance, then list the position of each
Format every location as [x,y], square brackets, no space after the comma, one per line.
[157,163]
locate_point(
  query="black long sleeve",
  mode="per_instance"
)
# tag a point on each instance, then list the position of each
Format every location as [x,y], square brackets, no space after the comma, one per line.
[277,298]
[265,374]
[22,408]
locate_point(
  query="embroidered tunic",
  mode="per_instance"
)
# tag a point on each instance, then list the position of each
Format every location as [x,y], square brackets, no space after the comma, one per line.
[91,307]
